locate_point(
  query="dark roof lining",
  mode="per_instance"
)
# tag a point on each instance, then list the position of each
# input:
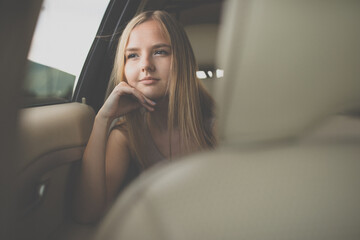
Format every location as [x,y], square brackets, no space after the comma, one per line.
[190,11]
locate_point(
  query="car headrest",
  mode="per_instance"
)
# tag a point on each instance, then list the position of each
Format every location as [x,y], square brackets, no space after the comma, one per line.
[287,65]
[203,38]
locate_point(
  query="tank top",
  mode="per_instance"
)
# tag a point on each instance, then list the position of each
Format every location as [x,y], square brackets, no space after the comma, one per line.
[152,152]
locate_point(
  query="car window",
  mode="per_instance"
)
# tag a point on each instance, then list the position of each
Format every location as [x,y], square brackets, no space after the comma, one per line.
[61,42]
[204,74]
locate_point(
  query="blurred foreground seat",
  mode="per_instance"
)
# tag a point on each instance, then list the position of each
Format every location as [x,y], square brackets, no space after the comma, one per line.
[289,162]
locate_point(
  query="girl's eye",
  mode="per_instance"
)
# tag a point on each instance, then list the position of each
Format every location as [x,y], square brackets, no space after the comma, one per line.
[161,52]
[131,55]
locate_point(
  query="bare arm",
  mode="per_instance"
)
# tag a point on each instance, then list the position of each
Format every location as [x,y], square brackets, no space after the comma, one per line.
[106,159]
[117,162]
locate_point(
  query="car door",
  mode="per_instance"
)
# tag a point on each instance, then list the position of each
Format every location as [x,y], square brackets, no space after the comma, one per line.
[42,144]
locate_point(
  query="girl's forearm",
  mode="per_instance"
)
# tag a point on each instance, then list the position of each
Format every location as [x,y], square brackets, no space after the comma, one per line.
[91,190]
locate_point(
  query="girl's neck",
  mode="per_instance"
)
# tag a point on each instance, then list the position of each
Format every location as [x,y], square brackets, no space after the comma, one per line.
[168,143]
[159,117]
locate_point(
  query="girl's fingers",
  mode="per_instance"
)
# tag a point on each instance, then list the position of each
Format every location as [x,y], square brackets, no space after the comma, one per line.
[144,101]
[147,103]
[152,103]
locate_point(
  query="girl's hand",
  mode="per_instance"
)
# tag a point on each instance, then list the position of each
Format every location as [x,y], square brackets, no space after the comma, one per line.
[124,99]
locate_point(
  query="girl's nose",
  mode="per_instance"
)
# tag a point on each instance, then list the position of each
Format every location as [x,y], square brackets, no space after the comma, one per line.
[147,64]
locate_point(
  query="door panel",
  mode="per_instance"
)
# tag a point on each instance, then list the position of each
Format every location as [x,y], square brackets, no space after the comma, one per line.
[52,141]
[45,130]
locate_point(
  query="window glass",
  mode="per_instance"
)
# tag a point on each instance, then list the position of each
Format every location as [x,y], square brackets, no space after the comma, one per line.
[62,39]
[204,74]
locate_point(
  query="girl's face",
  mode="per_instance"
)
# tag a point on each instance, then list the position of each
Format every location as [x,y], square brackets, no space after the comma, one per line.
[148,60]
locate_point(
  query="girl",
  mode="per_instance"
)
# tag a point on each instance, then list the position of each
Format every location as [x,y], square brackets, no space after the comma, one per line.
[165,111]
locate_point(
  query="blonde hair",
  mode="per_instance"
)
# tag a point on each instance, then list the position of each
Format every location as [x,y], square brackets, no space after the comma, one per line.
[190,106]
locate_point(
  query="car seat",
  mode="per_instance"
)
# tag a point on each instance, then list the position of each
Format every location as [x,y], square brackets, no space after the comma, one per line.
[288,165]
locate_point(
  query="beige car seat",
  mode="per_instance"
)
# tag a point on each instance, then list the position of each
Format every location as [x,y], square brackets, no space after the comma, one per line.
[289,164]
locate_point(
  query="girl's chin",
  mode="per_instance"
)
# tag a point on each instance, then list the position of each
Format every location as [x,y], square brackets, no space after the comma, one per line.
[155,97]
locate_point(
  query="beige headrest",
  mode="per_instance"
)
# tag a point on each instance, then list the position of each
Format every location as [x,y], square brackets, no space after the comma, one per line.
[203,39]
[287,65]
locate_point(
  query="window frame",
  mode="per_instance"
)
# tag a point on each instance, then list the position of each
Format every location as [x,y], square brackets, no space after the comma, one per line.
[95,74]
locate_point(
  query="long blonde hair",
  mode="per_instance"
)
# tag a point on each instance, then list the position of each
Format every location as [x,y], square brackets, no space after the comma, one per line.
[190,109]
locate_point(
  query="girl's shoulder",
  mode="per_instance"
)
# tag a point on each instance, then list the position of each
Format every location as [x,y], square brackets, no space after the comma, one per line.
[120,125]
[119,132]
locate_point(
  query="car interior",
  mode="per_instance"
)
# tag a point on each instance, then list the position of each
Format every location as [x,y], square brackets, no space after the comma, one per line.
[287,166]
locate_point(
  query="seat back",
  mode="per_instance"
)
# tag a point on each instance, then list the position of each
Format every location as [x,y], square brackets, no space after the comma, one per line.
[288,65]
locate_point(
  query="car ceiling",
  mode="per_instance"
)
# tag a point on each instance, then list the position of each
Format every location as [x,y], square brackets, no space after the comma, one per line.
[190,12]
